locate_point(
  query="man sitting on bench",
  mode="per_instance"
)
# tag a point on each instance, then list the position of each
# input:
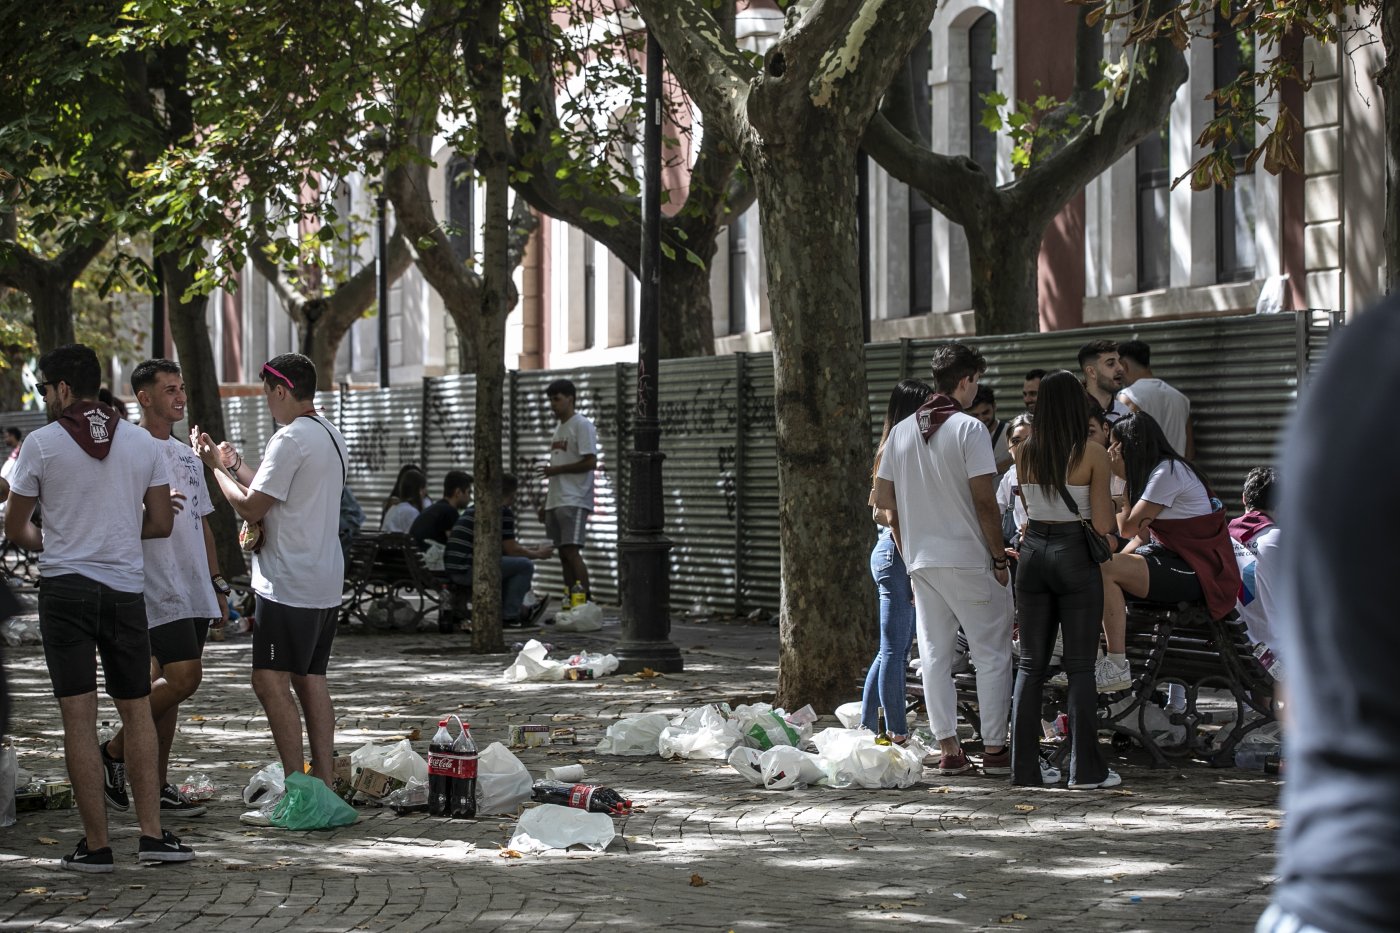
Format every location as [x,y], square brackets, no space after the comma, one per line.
[517,561]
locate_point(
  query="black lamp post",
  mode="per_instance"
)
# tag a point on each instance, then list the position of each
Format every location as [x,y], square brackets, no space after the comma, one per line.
[644,548]
[381,261]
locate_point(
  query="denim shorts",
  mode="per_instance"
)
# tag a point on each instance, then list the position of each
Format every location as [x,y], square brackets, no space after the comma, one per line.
[78,616]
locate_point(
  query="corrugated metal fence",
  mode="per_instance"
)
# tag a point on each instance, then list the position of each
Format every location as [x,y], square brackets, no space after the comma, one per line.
[721,474]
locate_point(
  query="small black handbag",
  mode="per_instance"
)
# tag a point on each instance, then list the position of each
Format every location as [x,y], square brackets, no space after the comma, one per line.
[1098,547]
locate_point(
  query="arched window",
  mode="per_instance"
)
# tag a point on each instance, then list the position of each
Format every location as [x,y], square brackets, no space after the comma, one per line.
[981,54]
[461,208]
[1234,206]
[920,65]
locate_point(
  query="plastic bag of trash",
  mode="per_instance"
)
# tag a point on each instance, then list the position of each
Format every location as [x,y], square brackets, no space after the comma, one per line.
[745,760]
[585,618]
[550,826]
[412,796]
[502,782]
[852,759]
[23,630]
[266,785]
[763,726]
[635,735]
[403,763]
[586,666]
[533,663]
[197,787]
[700,732]
[310,804]
[848,714]
[784,766]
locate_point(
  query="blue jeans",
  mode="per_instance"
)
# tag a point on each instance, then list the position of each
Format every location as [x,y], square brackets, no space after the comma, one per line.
[884,684]
[517,573]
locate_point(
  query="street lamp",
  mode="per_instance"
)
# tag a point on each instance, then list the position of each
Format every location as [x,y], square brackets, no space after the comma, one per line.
[644,548]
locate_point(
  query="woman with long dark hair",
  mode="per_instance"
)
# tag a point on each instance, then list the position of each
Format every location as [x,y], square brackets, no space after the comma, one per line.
[884,684]
[1179,548]
[1058,585]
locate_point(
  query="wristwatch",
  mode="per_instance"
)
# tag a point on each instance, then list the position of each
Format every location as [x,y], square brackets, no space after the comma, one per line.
[220,584]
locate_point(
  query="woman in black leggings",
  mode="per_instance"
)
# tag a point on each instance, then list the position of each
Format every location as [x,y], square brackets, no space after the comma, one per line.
[1058,584]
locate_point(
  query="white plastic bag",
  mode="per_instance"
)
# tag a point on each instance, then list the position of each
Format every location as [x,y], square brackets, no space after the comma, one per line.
[635,735]
[598,665]
[852,759]
[533,663]
[434,555]
[745,760]
[264,786]
[763,727]
[403,763]
[784,766]
[585,618]
[550,826]
[700,732]
[502,782]
[849,714]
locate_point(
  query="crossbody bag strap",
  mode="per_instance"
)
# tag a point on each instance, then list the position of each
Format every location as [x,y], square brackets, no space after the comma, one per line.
[1069,502]
[344,472]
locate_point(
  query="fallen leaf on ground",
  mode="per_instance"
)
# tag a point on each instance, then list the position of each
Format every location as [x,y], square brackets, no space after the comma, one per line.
[697,882]
[510,853]
[46,841]
[414,735]
[46,890]
[1274,824]
[647,673]
[939,790]
[1024,807]
[1010,918]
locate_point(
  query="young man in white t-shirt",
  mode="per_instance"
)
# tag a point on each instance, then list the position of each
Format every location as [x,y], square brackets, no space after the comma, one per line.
[573,456]
[937,479]
[184,589]
[1142,391]
[103,487]
[299,571]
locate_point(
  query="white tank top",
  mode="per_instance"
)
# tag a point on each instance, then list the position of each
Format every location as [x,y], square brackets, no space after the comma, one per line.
[1045,504]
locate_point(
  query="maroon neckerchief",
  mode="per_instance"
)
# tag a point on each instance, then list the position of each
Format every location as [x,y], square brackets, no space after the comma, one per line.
[92,425]
[1249,525]
[933,413]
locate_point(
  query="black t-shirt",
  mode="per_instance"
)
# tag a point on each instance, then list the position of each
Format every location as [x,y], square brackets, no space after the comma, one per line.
[1340,846]
[433,523]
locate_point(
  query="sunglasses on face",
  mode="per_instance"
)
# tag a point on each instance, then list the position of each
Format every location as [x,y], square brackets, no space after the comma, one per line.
[41,388]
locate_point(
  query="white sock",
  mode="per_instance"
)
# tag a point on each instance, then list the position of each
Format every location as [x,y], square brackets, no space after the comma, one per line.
[1119,659]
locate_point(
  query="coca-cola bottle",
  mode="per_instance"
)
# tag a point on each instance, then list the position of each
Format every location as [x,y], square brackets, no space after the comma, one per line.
[590,797]
[439,770]
[463,785]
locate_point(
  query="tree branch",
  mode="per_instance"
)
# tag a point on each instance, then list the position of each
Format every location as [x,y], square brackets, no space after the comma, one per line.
[955,186]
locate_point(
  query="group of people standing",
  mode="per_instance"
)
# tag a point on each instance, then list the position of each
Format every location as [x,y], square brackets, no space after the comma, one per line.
[1104,508]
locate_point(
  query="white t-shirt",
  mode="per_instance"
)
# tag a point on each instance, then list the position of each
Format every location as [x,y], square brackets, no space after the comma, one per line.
[1173,485]
[1256,606]
[177,567]
[937,520]
[400,517]
[1168,407]
[92,509]
[572,441]
[1007,498]
[301,564]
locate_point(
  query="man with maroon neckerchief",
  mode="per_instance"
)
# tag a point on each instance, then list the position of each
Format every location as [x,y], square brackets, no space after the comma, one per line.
[299,569]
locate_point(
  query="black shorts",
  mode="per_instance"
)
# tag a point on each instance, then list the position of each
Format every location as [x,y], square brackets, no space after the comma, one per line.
[180,640]
[291,639]
[1169,578]
[78,615]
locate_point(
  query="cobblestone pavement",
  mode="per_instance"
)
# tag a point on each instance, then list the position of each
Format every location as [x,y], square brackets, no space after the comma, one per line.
[1170,850]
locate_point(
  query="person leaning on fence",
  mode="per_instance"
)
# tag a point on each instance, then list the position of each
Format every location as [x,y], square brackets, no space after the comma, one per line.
[298,571]
[937,479]
[1179,547]
[1058,584]
[884,683]
[104,487]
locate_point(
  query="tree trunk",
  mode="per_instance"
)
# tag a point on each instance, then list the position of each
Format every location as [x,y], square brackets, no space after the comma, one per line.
[1390,89]
[189,330]
[52,301]
[1004,260]
[687,315]
[808,199]
[325,342]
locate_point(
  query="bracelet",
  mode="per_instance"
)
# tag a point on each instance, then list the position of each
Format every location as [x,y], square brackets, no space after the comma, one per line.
[1000,562]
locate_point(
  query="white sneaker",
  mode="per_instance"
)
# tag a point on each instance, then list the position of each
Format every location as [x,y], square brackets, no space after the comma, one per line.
[1110,780]
[1112,676]
[1059,680]
[256,818]
[1048,773]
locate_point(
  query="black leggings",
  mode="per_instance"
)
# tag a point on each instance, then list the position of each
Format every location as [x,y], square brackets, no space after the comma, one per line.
[1058,585]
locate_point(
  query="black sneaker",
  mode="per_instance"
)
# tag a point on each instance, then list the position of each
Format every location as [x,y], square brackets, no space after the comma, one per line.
[114,780]
[165,849]
[96,863]
[172,801]
[530,617]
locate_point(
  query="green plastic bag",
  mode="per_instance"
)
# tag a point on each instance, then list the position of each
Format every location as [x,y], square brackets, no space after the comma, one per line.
[310,804]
